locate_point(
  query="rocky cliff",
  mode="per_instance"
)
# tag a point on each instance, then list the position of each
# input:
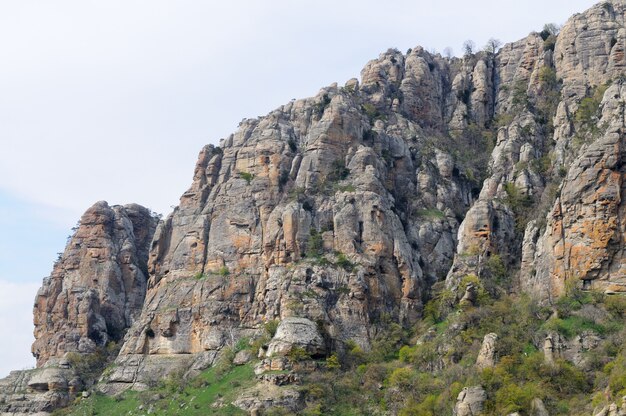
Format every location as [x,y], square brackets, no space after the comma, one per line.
[94,293]
[338,214]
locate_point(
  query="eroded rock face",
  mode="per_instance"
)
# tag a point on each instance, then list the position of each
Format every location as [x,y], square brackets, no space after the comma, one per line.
[38,391]
[574,350]
[611,410]
[582,241]
[97,287]
[338,209]
[267,395]
[334,212]
[297,332]
[470,401]
[584,237]
[487,354]
[537,408]
[590,47]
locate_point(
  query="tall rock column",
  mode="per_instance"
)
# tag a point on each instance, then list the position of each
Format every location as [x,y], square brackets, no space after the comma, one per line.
[97,287]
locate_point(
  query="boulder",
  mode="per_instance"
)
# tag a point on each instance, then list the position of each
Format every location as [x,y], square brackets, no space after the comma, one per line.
[297,332]
[470,401]
[487,354]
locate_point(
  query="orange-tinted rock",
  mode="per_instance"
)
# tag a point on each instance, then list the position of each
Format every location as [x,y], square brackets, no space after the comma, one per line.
[97,286]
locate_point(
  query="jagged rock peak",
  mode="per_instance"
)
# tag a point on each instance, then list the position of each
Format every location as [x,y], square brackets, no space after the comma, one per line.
[97,286]
[334,217]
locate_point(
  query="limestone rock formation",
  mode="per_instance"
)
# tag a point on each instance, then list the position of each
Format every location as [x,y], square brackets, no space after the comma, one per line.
[97,287]
[552,347]
[470,401]
[584,239]
[265,396]
[537,408]
[296,332]
[39,391]
[94,293]
[487,354]
[611,410]
[337,214]
[330,209]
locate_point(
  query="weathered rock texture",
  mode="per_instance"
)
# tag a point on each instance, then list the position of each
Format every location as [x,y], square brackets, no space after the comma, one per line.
[39,391]
[487,354]
[97,287]
[297,333]
[612,410]
[339,209]
[583,239]
[336,213]
[470,401]
[95,291]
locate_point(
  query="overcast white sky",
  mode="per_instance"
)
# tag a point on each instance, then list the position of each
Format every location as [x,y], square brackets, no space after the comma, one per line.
[113,99]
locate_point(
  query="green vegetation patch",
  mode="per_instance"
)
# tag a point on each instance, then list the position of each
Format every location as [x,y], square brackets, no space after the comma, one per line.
[431,213]
[209,394]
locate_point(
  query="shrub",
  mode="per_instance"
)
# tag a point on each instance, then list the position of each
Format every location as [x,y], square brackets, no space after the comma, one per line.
[338,171]
[242,344]
[519,95]
[616,370]
[346,188]
[616,305]
[298,354]
[271,327]
[320,107]
[401,377]
[332,362]
[175,382]
[223,271]
[495,270]
[520,204]
[246,176]
[503,120]
[225,362]
[297,194]
[315,245]
[90,366]
[424,356]
[440,304]
[547,78]
[431,213]
[372,112]
[549,43]
[587,114]
[354,355]
[344,263]
[573,325]
[388,340]
[542,165]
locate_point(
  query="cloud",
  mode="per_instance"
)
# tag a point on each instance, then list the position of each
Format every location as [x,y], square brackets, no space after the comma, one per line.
[16,325]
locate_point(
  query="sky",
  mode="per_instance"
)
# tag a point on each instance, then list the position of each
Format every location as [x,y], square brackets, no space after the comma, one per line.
[112,100]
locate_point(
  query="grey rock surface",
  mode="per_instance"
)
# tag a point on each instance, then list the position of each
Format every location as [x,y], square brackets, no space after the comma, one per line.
[297,332]
[488,352]
[97,286]
[470,401]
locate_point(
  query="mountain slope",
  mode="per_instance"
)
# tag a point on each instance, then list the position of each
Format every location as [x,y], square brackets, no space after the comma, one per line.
[425,188]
